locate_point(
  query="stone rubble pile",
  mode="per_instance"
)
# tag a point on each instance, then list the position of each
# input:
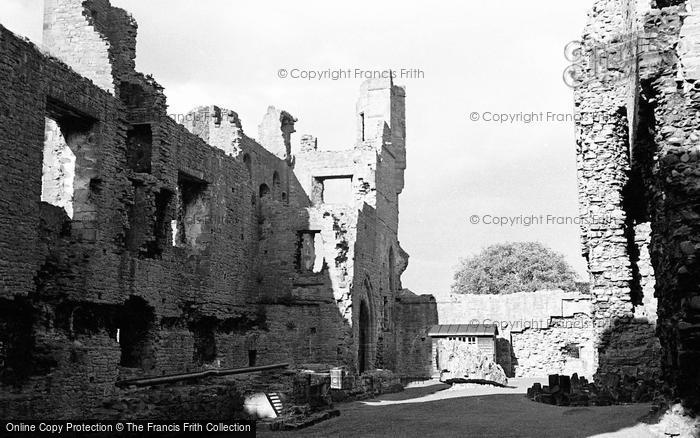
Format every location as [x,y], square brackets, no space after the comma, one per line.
[464,366]
[578,391]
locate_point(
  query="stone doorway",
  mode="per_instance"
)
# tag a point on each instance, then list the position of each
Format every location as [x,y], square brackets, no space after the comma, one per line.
[363,338]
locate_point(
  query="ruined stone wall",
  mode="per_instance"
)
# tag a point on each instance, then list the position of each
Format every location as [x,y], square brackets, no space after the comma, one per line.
[34,235]
[101,43]
[66,325]
[197,303]
[611,245]
[133,245]
[513,311]
[383,181]
[637,160]
[353,233]
[564,347]
[415,314]
[381,116]
[539,332]
[368,260]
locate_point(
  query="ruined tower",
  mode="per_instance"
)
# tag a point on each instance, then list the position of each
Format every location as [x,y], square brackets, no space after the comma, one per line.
[275,132]
[381,120]
[637,138]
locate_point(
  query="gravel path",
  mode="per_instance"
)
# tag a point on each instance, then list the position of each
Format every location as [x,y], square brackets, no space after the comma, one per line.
[435,410]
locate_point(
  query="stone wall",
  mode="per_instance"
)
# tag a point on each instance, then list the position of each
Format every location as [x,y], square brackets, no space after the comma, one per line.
[415,314]
[132,245]
[637,159]
[564,347]
[614,246]
[513,311]
[539,332]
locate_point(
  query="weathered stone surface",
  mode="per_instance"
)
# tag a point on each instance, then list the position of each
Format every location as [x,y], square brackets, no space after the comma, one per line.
[539,332]
[637,163]
[459,363]
[577,391]
[133,245]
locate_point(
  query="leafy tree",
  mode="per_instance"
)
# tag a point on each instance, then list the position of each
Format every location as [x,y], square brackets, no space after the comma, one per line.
[510,267]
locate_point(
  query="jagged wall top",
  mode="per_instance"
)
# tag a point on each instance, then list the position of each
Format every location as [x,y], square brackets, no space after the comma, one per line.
[96,39]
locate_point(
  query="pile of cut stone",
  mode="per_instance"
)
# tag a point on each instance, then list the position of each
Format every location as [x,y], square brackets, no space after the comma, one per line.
[577,391]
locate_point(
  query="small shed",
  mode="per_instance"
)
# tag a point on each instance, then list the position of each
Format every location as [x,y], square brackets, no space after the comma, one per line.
[481,337]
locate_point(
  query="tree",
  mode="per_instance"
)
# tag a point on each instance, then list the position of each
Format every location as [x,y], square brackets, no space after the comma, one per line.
[510,267]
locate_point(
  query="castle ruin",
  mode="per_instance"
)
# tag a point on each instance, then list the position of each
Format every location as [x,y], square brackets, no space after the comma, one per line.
[132,245]
[135,246]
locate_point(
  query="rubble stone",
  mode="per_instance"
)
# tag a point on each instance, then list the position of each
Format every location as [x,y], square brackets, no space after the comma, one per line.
[460,364]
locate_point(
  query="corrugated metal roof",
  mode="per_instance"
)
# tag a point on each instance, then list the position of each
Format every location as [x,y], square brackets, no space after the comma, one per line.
[438,331]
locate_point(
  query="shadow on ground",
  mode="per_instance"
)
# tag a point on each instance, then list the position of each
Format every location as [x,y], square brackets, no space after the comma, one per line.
[411,394]
[435,411]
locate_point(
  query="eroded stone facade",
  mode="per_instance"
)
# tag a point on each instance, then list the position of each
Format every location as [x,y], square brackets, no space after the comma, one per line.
[131,245]
[539,333]
[638,157]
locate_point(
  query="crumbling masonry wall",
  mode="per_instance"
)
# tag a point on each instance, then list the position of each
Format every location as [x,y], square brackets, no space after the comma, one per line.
[415,315]
[132,245]
[564,346]
[539,333]
[638,165]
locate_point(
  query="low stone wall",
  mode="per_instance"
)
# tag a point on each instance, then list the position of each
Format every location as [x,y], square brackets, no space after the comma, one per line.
[206,400]
[303,392]
[577,391]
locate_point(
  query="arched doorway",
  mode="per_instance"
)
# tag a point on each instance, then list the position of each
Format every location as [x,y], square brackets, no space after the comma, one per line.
[363,338]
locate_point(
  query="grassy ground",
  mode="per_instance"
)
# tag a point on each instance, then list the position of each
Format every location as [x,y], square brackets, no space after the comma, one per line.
[435,410]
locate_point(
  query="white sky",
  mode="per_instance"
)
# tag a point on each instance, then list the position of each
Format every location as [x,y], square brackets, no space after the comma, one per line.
[503,56]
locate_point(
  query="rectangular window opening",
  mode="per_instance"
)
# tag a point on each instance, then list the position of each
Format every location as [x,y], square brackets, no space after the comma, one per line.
[58,168]
[204,341]
[192,212]
[154,247]
[308,256]
[139,147]
[135,334]
[572,350]
[69,176]
[332,190]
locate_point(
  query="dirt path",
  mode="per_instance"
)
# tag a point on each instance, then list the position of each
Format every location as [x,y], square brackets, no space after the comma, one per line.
[434,410]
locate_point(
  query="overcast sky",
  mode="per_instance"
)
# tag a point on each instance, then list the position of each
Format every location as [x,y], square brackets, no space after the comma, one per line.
[497,56]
